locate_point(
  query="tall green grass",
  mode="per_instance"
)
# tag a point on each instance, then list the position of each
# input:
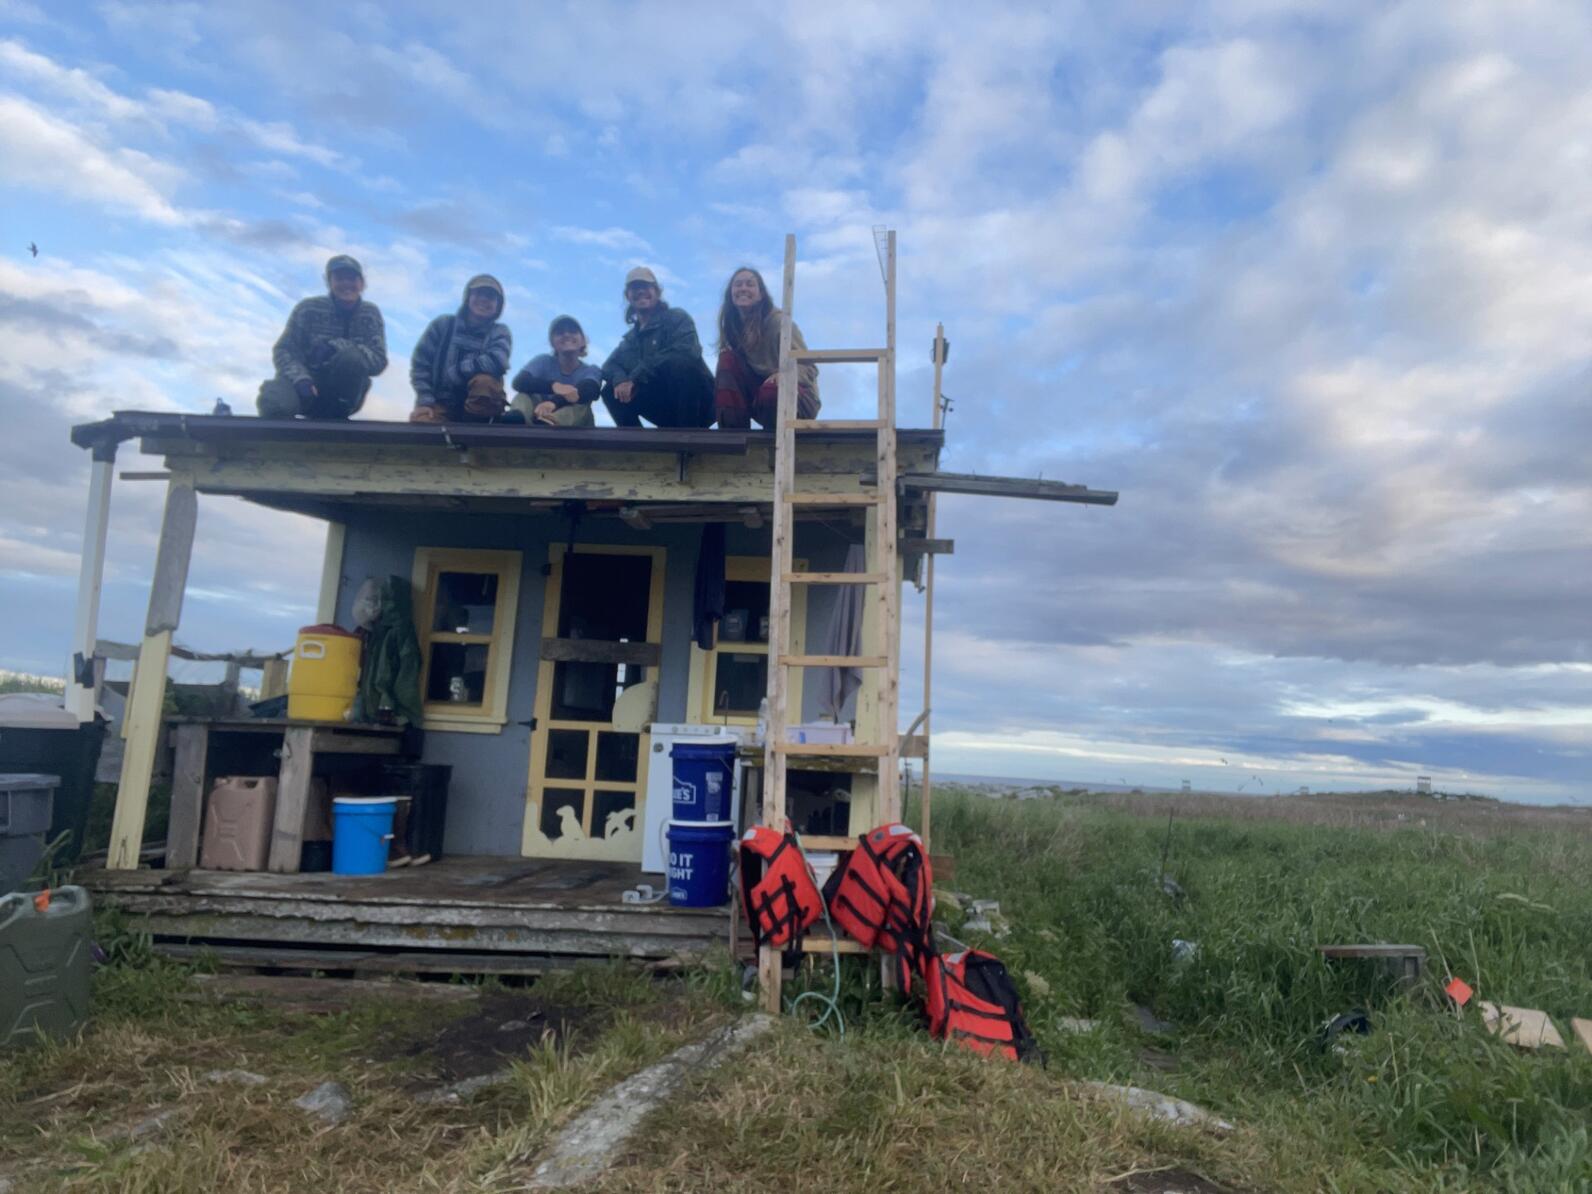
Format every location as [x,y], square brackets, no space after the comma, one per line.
[1428,1098]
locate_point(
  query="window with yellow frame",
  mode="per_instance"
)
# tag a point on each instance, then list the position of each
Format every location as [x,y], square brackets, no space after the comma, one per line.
[465,604]
[729,681]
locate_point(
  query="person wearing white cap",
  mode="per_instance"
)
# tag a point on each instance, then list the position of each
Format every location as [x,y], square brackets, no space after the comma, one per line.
[657,372]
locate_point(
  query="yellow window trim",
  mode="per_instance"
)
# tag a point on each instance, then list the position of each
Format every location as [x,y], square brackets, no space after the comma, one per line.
[430,563]
[699,700]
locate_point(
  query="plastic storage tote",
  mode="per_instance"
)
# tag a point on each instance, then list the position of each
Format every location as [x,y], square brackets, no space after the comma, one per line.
[325,674]
[25,810]
[44,965]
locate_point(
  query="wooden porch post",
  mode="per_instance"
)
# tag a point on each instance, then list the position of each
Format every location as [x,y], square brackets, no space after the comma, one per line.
[146,702]
[80,685]
[331,573]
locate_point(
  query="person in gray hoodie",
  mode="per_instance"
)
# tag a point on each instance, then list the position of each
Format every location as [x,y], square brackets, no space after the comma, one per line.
[458,367]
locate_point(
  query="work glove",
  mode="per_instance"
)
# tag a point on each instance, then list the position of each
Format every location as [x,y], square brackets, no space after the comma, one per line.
[305,388]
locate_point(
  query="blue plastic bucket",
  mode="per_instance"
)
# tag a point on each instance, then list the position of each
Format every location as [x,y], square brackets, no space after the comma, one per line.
[361,830]
[699,863]
[704,776]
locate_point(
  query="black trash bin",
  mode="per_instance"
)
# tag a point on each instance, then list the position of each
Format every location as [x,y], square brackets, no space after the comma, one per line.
[426,784]
[38,735]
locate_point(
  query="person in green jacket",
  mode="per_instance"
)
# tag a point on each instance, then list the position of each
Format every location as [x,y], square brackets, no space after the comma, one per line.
[657,372]
[332,346]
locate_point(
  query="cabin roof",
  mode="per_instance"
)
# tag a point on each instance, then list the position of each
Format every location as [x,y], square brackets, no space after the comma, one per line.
[239,431]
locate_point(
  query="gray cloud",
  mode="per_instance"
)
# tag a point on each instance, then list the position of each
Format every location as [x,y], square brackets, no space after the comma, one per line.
[54,319]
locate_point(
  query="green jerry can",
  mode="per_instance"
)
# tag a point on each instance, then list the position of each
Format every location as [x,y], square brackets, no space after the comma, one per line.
[44,965]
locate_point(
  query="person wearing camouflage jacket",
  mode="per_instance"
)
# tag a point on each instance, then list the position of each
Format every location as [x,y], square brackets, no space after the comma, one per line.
[332,346]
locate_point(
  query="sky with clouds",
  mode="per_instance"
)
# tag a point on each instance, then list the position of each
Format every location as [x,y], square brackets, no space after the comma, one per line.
[1309,283]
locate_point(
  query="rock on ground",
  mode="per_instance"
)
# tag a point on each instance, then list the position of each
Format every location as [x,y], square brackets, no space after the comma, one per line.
[593,1139]
[329,1102]
[1161,1106]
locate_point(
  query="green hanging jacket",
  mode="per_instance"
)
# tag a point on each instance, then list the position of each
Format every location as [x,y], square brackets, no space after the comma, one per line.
[390,678]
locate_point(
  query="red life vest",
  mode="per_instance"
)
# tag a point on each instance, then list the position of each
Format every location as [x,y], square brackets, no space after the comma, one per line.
[973,1001]
[778,893]
[884,897]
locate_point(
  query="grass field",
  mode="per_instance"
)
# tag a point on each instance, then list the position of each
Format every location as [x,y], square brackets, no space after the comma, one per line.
[1426,1101]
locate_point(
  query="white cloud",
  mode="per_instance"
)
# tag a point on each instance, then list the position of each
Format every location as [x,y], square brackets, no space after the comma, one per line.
[618,240]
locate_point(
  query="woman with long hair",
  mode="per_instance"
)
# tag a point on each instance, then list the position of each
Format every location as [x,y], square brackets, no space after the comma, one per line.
[746,382]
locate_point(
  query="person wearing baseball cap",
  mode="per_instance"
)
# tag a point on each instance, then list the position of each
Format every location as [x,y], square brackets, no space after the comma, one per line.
[557,389]
[657,372]
[458,367]
[333,344]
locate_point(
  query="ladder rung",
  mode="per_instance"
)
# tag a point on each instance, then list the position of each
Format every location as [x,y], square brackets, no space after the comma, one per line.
[826,841]
[856,356]
[836,424]
[833,578]
[833,660]
[821,945]
[831,750]
[832,499]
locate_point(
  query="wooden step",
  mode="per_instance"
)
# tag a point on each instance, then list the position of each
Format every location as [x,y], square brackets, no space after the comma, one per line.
[832,499]
[839,356]
[836,424]
[830,750]
[833,578]
[833,660]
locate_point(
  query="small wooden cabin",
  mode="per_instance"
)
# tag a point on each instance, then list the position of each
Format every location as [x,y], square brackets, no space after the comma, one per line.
[554,579]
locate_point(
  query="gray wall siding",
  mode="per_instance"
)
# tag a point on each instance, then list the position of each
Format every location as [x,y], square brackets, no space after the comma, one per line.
[486,800]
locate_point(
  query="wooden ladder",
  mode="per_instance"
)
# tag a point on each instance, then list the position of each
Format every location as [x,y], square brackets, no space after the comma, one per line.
[877,741]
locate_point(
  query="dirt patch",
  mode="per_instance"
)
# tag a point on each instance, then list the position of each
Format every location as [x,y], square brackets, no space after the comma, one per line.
[502,1028]
[1168,1181]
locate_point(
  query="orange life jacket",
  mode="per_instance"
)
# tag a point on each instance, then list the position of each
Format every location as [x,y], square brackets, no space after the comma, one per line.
[972,1000]
[778,893]
[884,897]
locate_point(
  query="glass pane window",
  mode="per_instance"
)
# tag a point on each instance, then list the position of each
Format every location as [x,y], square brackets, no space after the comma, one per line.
[457,675]
[566,753]
[616,756]
[740,681]
[466,602]
[745,612]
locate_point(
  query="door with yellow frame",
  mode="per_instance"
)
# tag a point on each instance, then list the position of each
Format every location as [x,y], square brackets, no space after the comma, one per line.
[596,694]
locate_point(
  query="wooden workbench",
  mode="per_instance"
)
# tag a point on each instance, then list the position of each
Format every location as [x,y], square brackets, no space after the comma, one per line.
[301,742]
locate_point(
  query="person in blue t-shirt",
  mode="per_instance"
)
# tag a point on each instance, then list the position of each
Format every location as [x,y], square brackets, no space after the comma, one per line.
[557,389]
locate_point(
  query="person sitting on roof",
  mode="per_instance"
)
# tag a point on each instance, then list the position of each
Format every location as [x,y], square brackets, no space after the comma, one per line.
[458,367]
[332,346]
[746,383]
[558,388]
[657,372]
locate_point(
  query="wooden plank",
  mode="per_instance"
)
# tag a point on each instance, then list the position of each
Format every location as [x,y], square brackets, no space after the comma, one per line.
[591,650]
[915,746]
[827,841]
[1525,1027]
[343,743]
[823,945]
[857,661]
[273,679]
[839,356]
[829,499]
[90,581]
[1582,1029]
[928,547]
[331,573]
[1013,487]
[142,722]
[834,578]
[832,750]
[189,784]
[434,961]
[836,425]
[292,799]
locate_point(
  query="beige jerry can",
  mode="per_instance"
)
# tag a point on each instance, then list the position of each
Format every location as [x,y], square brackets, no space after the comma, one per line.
[238,818]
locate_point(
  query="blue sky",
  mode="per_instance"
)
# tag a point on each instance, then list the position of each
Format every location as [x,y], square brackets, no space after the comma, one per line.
[1310,283]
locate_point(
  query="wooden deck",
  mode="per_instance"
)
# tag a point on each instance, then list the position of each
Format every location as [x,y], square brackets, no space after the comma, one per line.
[475,915]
